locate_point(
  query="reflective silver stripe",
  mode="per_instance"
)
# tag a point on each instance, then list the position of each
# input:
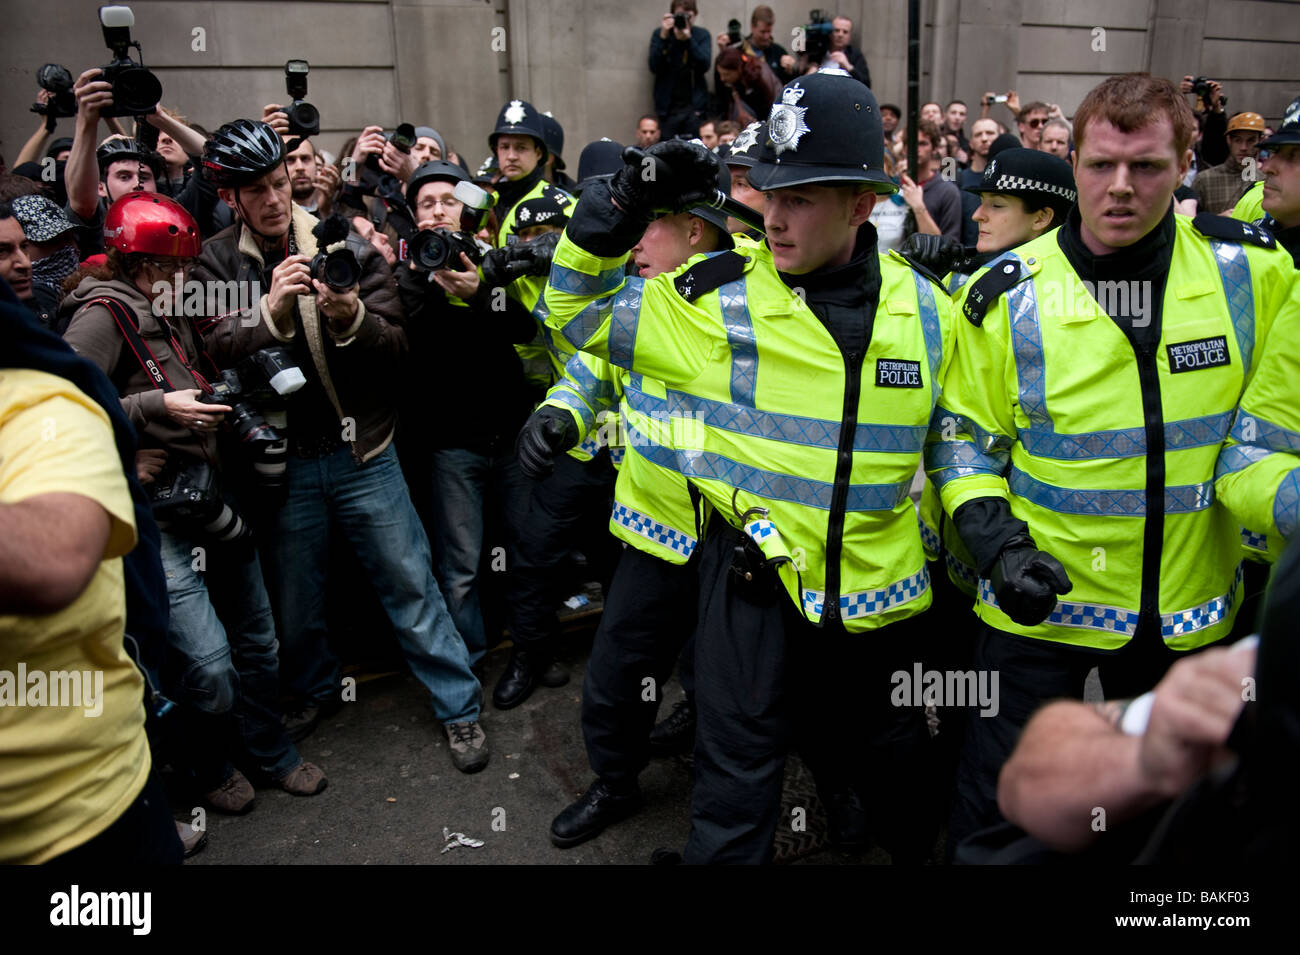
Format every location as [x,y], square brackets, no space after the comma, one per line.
[1237,457]
[653,530]
[597,392]
[1108,502]
[956,281]
[1234,270]
[988,453]
[930,328]
[1084,616]
[570,400]
[1264,433]
[1286,505]
[771,485]
[865,603]
[624,315]
[740,335]
[564,279]
[1027,343]
[1125,442]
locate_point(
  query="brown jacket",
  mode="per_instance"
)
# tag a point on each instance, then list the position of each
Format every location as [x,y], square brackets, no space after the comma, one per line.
[94,334]
[358,369]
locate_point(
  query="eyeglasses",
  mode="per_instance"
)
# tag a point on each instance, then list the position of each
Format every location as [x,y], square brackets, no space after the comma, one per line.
[445,203]
[170,265]
[1034,123]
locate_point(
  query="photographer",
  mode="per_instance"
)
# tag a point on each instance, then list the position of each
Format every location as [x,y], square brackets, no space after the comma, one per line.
[343,473]
[460,464]
[679,59]
[218,603]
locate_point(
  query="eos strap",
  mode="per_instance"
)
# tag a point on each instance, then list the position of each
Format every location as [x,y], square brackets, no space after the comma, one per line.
[126,323]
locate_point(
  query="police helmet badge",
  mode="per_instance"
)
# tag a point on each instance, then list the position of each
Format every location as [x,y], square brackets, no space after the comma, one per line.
[747,138]
[524,215]
[786,124]
[514,114]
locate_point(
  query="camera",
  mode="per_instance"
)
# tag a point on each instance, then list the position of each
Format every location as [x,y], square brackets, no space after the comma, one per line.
[733,32]
[817,35]
[1201,87]
[376,182]
[254,385]
[57,81]
[434,249]
[304,119]
[990,100]
[476,204]
[339,269]
[185,495]
[679,20]
[136,91]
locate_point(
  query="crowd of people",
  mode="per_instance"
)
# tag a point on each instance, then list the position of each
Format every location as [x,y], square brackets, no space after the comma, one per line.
[858,421]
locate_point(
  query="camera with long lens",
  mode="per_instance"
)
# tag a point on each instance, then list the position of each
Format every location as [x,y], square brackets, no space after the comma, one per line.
[1201,87]
[733,32]
[253,389]
[335,264]
[434,249]
[304,118]
[817,35]
[376,182]
[185,495]
[57,81]
[136,91]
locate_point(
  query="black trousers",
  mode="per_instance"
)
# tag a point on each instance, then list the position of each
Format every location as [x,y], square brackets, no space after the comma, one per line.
[1030,673]
[571,505]
[767,682]
[650,615]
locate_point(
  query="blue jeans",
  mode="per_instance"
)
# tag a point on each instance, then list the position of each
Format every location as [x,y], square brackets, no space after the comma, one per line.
[223,639]
[370,506]
[463,481]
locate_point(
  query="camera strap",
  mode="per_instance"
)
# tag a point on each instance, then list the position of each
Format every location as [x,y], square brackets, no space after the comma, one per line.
[126,323]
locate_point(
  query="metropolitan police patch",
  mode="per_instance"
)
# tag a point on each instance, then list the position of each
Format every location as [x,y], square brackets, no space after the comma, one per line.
[1197,354]
[897,373]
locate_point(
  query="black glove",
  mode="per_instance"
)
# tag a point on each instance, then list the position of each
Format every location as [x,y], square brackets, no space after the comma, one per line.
[1027,581]
[502,266]
[547,432]
[667,177]
[938,253]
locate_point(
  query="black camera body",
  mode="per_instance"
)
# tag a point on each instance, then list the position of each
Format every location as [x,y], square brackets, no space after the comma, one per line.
[136,91]
[56,80]
[376,182]
[434,249]
[817,35]
[185,495]
[679,20]
[1201,87]
[252,387]
[304,118]
[339,269]
[733,33]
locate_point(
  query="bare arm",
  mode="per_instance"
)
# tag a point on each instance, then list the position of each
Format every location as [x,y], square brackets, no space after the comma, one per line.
[31,151]
[188,139]
[50,547]
[81,176]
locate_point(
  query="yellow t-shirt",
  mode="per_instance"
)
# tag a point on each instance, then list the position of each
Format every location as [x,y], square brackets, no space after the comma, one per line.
[74,755]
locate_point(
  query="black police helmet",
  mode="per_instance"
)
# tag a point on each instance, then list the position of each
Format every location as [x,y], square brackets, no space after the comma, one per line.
[1288,134]
[599,160]
[519,118]
[1030,174]
[117,150]
[437,170]
[743,150]
[824,129]
[552,207]
[553,135]
[241,152]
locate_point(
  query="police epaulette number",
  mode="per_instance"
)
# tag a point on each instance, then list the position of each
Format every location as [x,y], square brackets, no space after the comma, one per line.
[714,272]
[1233,230]
[985,290]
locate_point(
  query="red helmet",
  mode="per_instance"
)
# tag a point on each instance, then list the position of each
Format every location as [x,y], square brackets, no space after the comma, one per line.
[153,224]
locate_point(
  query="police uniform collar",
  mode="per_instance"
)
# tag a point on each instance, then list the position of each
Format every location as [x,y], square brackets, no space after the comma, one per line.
[846,284]
[1152,251]
[509,193]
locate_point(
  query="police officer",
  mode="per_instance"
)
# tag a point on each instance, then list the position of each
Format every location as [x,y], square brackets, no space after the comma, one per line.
[1094,380]
[814,541]
[650,612]
[1279,163]
[519,144]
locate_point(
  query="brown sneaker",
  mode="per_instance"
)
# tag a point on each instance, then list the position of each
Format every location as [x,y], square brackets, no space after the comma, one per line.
[192,839]
[235,795]
[305,779]
[469,746]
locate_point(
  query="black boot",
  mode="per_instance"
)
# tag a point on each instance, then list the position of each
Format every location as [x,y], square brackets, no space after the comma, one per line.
[598,808]
[675,734]
[517,682]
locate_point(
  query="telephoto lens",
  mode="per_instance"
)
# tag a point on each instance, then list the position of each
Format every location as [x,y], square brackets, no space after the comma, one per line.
[227,527]
[339,269]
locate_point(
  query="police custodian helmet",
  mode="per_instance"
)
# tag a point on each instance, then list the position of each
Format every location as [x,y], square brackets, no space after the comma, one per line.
[518,118]
[825,129]
[1030,174]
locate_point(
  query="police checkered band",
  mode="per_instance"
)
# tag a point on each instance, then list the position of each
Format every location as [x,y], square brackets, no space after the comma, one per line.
[864,603]
[653,530]
[1254,541]
[760,530]
[1007,183]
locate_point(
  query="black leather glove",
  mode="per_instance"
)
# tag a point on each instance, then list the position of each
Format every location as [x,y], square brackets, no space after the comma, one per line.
[502,266]
[547,433]
[1027,581]
[938,253]
[667,177]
